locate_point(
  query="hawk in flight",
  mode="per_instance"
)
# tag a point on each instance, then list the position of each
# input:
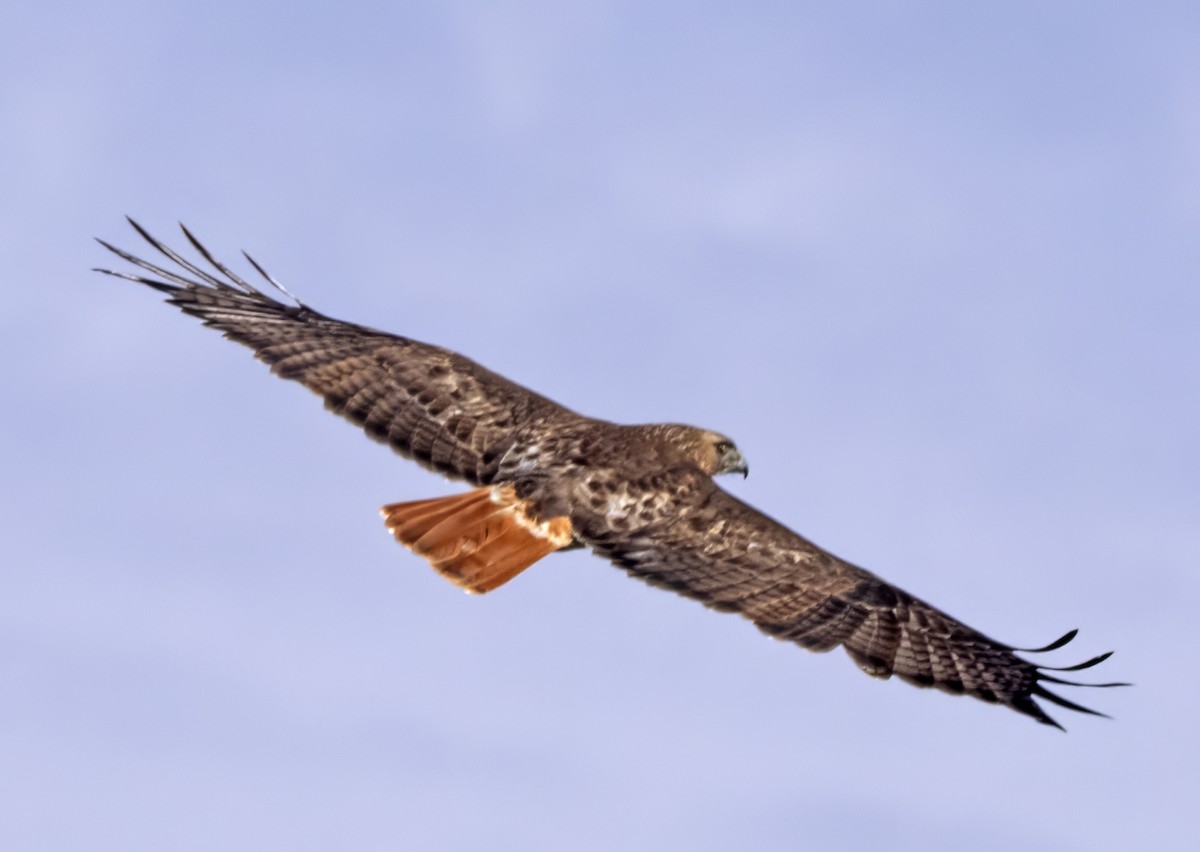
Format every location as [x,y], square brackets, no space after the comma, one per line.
[545,478]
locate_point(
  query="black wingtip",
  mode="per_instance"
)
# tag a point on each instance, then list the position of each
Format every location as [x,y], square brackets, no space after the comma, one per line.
[174,276]
[1046,694]
[1025,704]
[1064,682]
[1053,646]
[144,233]
[1087,664]
[190,236]
[270,280]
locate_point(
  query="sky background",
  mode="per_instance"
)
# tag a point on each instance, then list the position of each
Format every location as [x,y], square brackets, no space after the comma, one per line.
[932,265]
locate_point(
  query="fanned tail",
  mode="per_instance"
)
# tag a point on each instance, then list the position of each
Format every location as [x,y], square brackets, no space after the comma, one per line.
[478,540]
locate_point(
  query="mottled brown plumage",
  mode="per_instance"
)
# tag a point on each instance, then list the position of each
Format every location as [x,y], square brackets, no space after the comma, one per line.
[548,478]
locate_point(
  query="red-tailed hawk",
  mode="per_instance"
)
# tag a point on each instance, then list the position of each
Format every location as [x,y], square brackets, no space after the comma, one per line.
[547,478]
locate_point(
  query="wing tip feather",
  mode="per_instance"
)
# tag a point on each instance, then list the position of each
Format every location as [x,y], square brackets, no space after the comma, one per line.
[1025,703]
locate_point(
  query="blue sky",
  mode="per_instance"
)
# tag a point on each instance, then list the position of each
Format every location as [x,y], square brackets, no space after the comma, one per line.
[933,266]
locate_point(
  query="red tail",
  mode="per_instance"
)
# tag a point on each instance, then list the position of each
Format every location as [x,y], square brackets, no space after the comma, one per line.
[478,540]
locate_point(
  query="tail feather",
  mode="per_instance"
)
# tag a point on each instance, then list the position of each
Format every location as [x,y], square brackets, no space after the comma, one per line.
[474,525]
[413,522]
[506,556]
[479,540]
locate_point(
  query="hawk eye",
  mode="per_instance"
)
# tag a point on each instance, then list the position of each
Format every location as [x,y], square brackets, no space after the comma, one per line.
[724,446]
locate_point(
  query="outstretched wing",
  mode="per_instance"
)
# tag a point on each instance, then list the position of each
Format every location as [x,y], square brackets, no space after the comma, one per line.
[695,539]
[428,403]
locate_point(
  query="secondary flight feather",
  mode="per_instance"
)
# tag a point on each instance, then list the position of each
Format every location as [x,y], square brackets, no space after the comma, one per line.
[546,478]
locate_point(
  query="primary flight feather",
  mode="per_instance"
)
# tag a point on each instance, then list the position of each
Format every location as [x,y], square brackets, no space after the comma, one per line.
[547,478]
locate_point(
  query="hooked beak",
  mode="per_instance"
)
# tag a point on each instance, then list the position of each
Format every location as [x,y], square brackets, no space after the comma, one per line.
[734,463]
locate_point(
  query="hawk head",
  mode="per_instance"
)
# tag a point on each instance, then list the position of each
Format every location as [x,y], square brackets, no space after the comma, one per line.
[710,451]
[727,457]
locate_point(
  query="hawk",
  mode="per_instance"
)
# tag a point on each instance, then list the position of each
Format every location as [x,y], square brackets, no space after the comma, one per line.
[546,478]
